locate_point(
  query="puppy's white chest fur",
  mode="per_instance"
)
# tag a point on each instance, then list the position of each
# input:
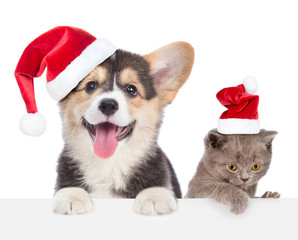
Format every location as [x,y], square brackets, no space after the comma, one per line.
[104,176]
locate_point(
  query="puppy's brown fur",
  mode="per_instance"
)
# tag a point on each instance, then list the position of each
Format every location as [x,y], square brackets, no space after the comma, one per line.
[138,163]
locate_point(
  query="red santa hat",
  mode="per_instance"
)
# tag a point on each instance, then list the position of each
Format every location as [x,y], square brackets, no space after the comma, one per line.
[242,115]
[69,54]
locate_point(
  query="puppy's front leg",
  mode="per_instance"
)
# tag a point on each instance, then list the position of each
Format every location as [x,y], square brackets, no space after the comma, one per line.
[72,201]
[155,201]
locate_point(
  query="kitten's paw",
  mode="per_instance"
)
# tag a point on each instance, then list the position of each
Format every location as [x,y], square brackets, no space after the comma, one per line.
[239,203]
[155,201]
[72,201]
[269,194]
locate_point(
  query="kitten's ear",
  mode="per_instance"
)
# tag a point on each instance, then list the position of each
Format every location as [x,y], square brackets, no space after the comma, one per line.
[170,67]
[267,137]
[215,140]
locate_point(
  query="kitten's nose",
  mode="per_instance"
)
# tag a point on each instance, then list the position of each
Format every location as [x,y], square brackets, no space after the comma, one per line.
[244,179]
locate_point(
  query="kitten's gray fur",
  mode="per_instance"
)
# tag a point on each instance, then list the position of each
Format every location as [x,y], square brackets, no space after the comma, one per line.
[215,180]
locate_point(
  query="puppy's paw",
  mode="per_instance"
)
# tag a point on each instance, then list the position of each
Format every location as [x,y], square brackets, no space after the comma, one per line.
[72,201]
[269,194]
[155,201]
[239,203]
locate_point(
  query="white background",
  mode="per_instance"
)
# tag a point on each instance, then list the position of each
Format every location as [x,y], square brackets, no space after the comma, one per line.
[232,39]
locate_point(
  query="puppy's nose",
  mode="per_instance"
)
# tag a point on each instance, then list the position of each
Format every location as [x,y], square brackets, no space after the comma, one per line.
[108,106]
[244,179]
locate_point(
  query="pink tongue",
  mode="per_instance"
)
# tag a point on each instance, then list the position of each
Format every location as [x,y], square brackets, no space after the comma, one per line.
[105,142]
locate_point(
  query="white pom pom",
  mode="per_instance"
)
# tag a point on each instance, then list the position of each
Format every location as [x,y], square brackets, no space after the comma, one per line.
[250,84]
[33,124]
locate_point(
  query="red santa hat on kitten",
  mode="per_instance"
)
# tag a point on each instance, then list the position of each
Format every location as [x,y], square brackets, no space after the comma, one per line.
[242,115]
[69,54]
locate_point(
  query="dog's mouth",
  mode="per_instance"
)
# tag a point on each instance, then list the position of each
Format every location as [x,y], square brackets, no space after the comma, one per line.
[106,136]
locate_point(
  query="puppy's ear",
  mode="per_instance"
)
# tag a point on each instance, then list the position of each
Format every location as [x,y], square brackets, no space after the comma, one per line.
[215,140]
[267,137]
[170,67]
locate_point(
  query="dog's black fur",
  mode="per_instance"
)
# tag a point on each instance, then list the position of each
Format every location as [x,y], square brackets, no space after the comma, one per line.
[150,174]
[155,170]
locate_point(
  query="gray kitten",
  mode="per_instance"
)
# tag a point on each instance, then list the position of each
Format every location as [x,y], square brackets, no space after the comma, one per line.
[231,167]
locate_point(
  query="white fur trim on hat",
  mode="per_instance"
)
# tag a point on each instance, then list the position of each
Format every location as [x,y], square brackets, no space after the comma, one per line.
[250,84]
[238,126]
[33,124]
[80,67]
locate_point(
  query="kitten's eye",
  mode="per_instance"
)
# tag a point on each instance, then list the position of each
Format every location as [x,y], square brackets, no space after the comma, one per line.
[255,167]
[91,86]
[232,167]
[132,90]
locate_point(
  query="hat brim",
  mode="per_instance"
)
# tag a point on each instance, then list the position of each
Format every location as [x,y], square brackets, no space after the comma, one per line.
[80,67]
[238,126]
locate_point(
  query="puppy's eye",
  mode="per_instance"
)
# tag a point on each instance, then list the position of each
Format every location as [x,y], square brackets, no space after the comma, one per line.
[91,86]
[255,167]
[132,90]
[232,167]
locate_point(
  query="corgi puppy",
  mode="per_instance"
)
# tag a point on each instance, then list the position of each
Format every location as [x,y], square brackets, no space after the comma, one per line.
[111,122]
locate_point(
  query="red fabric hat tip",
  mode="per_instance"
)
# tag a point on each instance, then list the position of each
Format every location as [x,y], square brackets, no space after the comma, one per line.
[242,115]
[69,54]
